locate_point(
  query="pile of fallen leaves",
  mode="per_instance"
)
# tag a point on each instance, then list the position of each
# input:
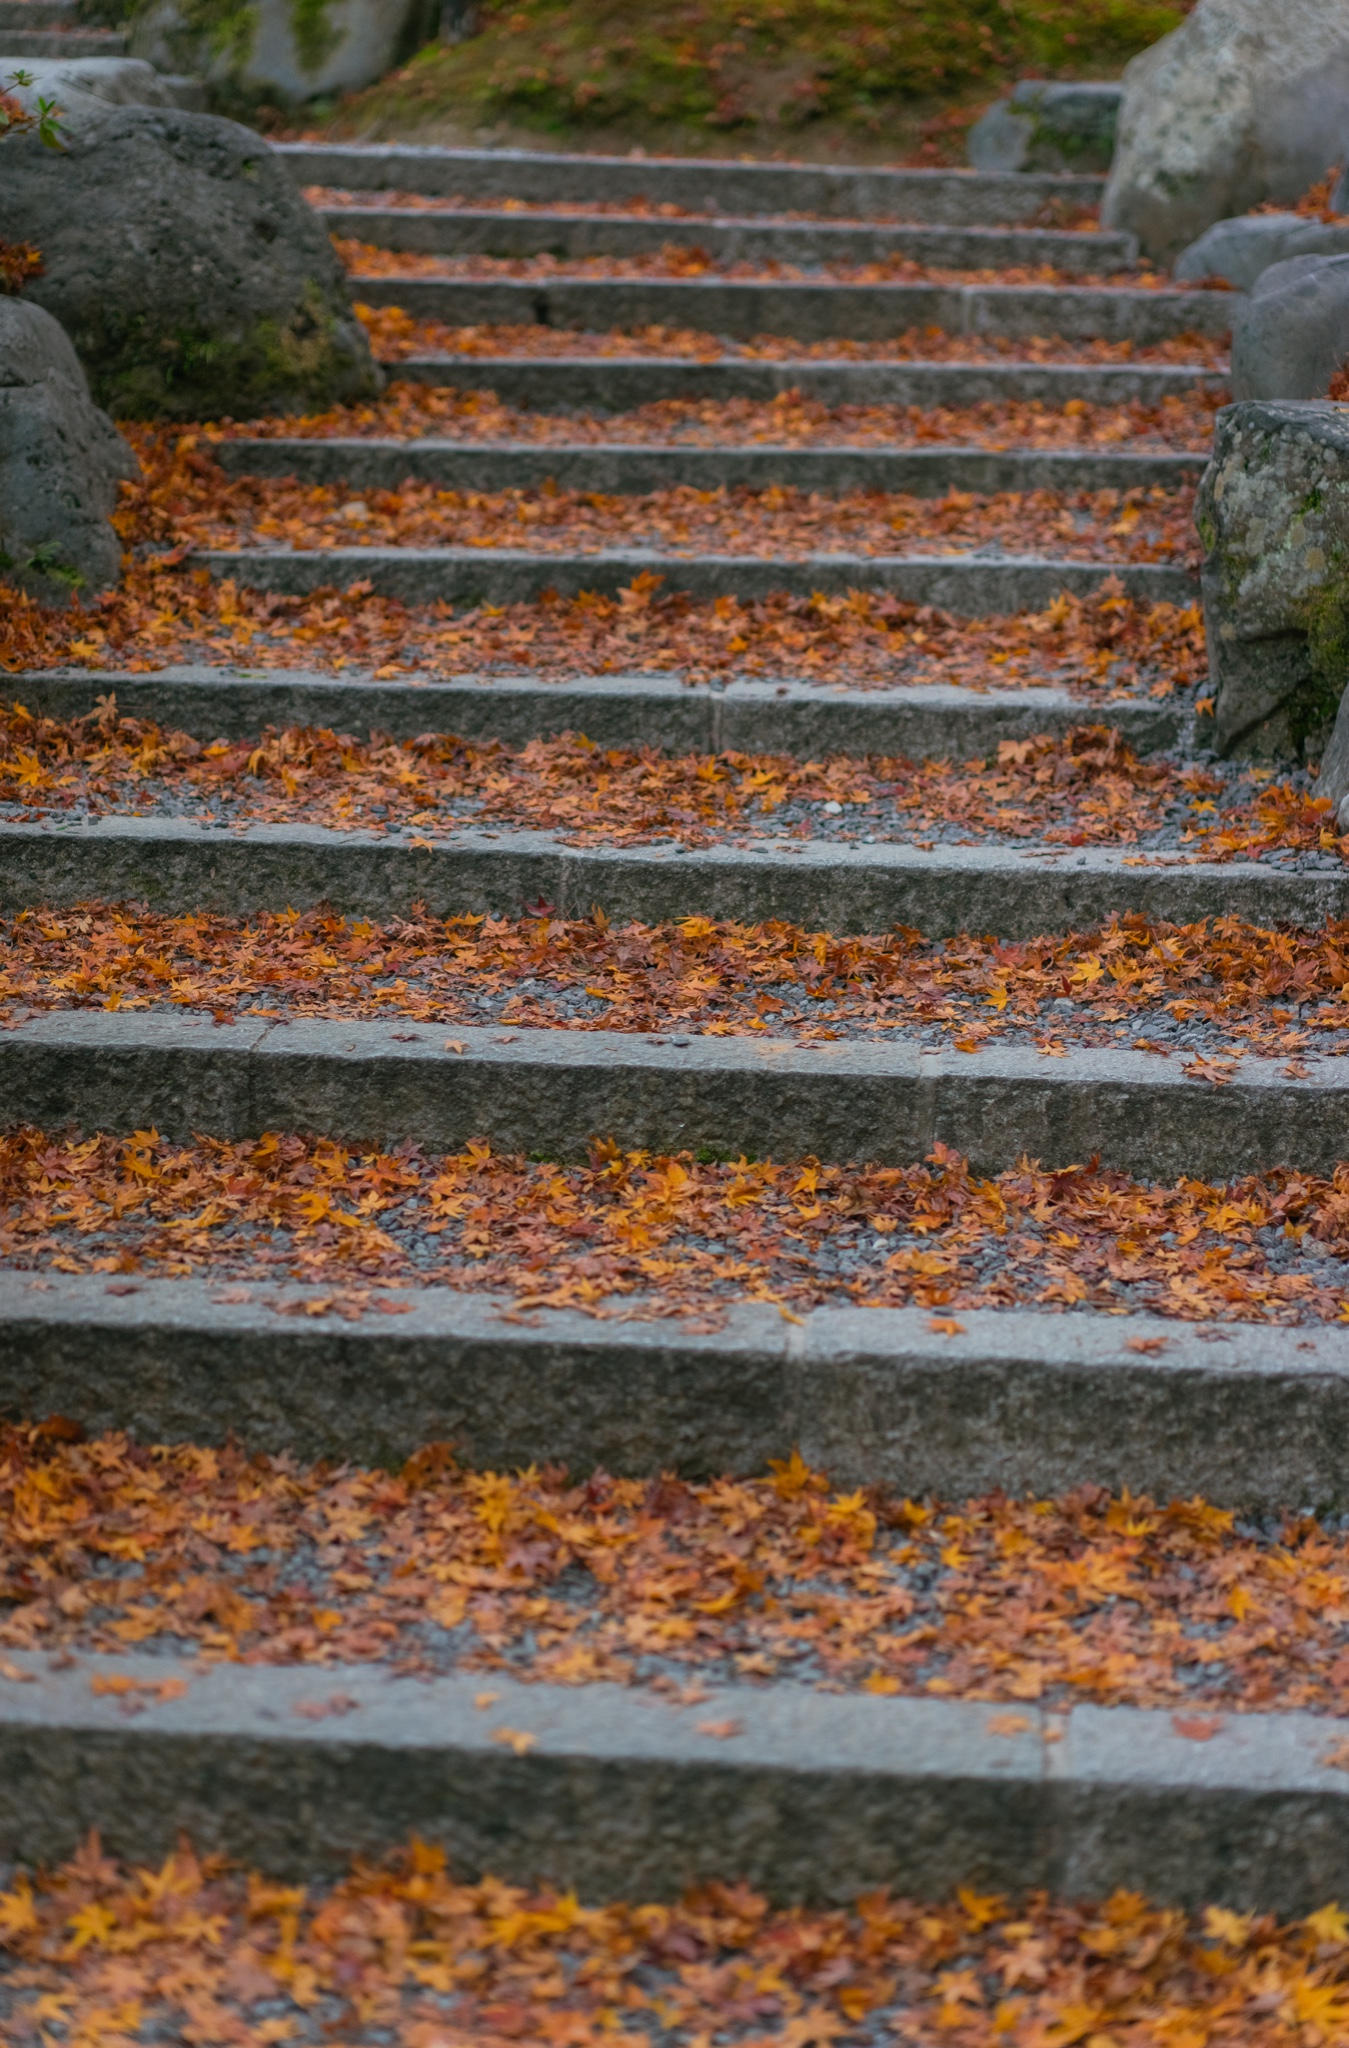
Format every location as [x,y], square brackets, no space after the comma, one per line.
[400,1952]
[1086,786]
[654,1235]
[366,260]
[1267,992]
[19,261]
[1095,647]
[108,1545]
[395,334]
[1182,422]
[192,503]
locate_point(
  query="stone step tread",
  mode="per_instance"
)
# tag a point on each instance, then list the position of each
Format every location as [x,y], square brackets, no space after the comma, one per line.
[38,14]
[967,584]
[803,1794]
[1021,1400]
[384,1082]
[655,710]
[614,383]
[637,466]
[61,42]
[813,310]
[1020,891]
[705,184]
[461,231]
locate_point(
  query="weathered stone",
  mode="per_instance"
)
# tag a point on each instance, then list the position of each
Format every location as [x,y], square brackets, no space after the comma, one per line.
[189,273]
[1242,250]
[1048,126]
[1292,334]
[60,462]
[1244,102]
[117,81]
[285,53]
[1273,514]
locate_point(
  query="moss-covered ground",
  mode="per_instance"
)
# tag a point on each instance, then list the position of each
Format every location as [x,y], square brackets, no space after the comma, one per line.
[849,79]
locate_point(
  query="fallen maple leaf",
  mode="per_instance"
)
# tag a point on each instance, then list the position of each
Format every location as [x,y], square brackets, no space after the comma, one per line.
[946,1326]
[721,1731]
[520,1740]
[1148,1344]
[320,1710]
[1196,1728]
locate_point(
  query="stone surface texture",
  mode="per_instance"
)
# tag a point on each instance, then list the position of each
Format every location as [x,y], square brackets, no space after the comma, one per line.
[116,81]
[287,54]
[1244,102]
[1241,250]
[60,462]
[1048,126]
[1291,335]
[191,277]
[1273,514]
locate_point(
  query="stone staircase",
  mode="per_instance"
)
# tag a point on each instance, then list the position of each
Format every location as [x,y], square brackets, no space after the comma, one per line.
[53,28]
[806,1793]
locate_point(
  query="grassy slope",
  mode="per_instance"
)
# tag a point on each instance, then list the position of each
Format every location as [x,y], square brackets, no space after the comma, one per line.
[862,78]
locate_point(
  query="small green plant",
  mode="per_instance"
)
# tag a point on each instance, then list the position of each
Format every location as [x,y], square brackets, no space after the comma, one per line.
[17,119]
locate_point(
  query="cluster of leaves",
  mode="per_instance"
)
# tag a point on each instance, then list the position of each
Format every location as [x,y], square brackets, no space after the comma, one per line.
[43,120]
[766,66]
[395,335]
[19,261]
[1086,786]
[1268,992]
[108,1545]
[655,1235]
[407,411]
[365,260]
[400,1952]
[199,506]
[1094,647]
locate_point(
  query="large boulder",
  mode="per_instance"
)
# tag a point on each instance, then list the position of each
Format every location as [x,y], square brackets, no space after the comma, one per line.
[1291,336]
[279,51]
[1273,514]
[1048,125]
[1244,102]
[180,258]
[117,81]
[1241,250]
[60,463]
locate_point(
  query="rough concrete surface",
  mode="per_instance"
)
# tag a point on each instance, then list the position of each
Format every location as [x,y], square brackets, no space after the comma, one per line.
[613,710]
[1248,1416]
[554,1091]
[815,1797]
[713,185]
[972,585]
[609,384]
[175,864]
[369,464]
[811,312]
[487,231]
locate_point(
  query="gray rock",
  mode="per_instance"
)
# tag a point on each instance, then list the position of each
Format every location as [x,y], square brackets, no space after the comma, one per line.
[189,273]
[1244,102]
[1292,334]
[116,81]
[60,463]
[1048,126]
[1273,514]
[1241,250]
[284,53]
